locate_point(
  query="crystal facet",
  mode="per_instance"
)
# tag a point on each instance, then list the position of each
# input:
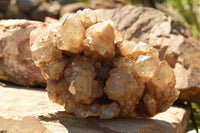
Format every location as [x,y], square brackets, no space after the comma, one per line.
[99,42]
[72,34]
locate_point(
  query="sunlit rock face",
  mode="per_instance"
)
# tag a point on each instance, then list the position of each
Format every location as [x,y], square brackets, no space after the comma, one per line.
[92,71]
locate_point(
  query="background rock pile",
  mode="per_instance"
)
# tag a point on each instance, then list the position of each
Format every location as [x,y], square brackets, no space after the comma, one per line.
[39,9]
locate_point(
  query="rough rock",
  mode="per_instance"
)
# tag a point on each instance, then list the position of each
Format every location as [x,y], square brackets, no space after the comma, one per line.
[33,112]
[175,43]
[51,9]
[28,5]
[16,63]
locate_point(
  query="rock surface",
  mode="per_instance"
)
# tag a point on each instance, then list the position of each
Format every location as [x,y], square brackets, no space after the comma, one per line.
[16,63]
[175,43]
[29,110]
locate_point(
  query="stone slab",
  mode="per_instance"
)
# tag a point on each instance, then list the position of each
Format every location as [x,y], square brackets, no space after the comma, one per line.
[29,110]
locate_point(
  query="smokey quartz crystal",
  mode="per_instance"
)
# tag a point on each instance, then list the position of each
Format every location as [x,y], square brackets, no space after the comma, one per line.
[92,71]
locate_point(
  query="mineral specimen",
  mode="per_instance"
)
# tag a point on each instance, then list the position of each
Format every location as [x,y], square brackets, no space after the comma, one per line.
[92,71]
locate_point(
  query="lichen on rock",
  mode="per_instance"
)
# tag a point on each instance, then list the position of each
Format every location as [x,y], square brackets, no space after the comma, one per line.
[92,71]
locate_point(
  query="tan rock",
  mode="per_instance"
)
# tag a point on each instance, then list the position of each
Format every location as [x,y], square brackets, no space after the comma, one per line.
[33,112]
[16,64]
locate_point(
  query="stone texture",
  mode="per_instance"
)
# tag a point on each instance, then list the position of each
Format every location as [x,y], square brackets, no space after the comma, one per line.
[20,106]
[4,5]
[175,43]
[109,4]
[16,64]
[28,5]
[33,112]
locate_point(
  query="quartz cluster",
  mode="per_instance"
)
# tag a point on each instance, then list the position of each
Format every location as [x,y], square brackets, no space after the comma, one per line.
[92,71]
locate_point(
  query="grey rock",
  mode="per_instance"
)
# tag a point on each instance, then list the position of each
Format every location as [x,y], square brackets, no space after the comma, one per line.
[34,110]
